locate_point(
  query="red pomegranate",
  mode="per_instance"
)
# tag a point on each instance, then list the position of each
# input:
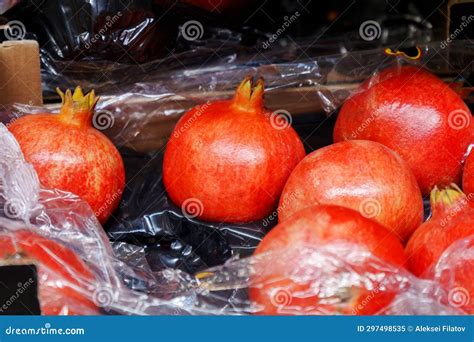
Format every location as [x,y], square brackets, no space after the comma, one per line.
[452,220]
[362,175]
[454,272]
[286,286]
[416,115]
[61,273]
[229,160]
[468,175]
[69,154]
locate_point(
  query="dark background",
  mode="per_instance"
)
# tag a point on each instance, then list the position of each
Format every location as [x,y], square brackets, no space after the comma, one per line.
[149,29]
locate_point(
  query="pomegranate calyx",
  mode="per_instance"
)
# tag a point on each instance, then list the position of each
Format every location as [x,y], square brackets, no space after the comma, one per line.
[446,198]
[77,108]
[249,97]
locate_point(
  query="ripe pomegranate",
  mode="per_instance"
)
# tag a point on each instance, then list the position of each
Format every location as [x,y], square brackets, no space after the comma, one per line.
[229,160]
[69,154]
[303,288]
[452,220]
[416,115]
[60,272]
[362,175]
[454,272]
[468,175]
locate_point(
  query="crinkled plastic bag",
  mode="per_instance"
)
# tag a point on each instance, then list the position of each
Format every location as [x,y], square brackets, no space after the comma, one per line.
[97,283]
[123,281]
[77,270]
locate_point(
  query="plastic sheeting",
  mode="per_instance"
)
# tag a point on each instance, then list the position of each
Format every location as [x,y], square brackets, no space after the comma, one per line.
[118,280]
[165,263]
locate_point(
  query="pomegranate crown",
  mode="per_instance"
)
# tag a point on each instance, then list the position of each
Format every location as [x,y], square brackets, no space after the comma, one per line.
[248,96]
[77,108]
[446,198]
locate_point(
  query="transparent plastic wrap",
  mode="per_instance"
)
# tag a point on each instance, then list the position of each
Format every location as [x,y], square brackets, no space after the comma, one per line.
[162,226]
[163,255]
[79,273]
[58,233]
[456,264]
[108,45]
[140,119]
[335,278]
[141,113]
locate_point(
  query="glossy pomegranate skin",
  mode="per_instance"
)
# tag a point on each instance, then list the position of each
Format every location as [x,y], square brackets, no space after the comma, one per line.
[416,115]
[60,272]
[229,157]
[73,157]
[468,176]
[316,226]
[449,222]
[452,221]
[455,274]
[363,175]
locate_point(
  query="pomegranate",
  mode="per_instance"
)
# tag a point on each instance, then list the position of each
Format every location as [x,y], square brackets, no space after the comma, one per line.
[454,272]
[60,272]
[416,115]
[69,154]
[452,220]
[319,226]
[362,175]
[229,160]
[468,175]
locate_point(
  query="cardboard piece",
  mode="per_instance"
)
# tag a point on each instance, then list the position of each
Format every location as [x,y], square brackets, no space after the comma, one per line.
[20,75]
